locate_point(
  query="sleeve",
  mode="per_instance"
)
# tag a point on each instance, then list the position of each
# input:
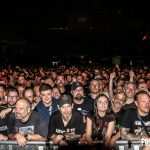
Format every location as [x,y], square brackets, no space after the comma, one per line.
[127,119]
[112,118]
[42,127]
[80,125]
[51,128]
[11,123]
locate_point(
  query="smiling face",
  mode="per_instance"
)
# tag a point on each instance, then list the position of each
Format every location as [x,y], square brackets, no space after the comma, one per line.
[60,81]
[29,94]
[130,90]
[119,100]
[94,86]
[78,93]
[102,104]
[56,93]
[22,110]
[46,97]
[12,98]
[66,111]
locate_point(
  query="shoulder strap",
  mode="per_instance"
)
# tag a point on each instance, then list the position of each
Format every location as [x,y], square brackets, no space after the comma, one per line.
[143,124]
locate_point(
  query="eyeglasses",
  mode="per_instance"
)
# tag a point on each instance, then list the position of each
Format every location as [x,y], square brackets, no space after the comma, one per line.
[13,97]
[79,90]
[100,102]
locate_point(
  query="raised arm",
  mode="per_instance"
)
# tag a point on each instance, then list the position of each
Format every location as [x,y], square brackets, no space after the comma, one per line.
[111,92]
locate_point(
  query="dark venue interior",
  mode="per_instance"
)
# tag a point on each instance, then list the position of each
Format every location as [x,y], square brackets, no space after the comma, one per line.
[87,49]
[100,29]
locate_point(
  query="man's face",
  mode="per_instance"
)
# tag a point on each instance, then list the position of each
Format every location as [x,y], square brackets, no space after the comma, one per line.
[94,87]
[60,81]
[46,96]
[119,89]
[130,90]
[56,93]
[21,110]
[80,79]
[143,86]
[119,100]
[29,94]
[21,80]
[143,103]
[69,79]
[66,110]
[78,93]
[2,92]
[12,98]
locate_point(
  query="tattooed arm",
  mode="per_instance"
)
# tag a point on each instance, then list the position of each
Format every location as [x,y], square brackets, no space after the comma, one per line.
[125,135]
[72,137]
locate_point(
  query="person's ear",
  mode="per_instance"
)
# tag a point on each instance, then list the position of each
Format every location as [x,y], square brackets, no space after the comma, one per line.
[136,103]
[29,109]
[72,106]
[58,107]
[71,92]
[113,100]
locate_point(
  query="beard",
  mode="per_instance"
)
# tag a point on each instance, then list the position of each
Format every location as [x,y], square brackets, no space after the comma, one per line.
[117,105]
[78,97]
[18,116]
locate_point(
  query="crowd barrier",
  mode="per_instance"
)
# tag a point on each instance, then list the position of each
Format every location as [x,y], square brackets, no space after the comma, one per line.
[41,145]
[131,145]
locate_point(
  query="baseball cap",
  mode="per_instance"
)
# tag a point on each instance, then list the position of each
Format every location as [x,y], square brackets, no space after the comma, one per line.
[76,85]
[65,99]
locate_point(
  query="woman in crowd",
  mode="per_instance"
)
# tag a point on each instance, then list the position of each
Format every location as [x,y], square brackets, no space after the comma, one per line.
[100,125]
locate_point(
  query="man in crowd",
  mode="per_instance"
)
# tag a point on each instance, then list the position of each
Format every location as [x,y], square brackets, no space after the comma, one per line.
[66,125]
[3,126]
[132,128]
[12,97]
[81,102]
[26,125]
[48,104]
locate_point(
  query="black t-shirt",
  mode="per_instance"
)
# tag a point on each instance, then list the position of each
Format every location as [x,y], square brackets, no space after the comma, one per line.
[84,108]
[128,106]
[118,118]
[99,128]
[74,126]
[34,125]
[4,123]
[130,120]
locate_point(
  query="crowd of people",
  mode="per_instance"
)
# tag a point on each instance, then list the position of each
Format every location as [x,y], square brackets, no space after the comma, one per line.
[69,105]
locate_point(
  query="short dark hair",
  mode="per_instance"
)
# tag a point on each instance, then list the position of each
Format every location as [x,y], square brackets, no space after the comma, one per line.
[45,87]
[12,89]
[140,93]
[65,99]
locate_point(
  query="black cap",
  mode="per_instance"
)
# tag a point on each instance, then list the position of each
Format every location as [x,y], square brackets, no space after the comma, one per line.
[76,85]
[65,99]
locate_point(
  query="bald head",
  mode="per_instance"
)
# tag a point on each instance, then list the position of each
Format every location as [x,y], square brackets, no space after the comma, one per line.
[23,109]
[24,102]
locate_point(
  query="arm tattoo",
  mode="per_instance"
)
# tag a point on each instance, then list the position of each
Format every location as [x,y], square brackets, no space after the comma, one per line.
[71,137]
[125,135]
[124,132]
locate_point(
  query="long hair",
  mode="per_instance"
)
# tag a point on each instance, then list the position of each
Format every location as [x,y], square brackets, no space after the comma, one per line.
[95,114]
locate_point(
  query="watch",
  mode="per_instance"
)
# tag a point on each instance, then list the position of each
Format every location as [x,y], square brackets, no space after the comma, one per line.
[26,136]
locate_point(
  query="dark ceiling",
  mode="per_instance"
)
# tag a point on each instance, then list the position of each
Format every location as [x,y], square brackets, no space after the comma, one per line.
[75,27]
